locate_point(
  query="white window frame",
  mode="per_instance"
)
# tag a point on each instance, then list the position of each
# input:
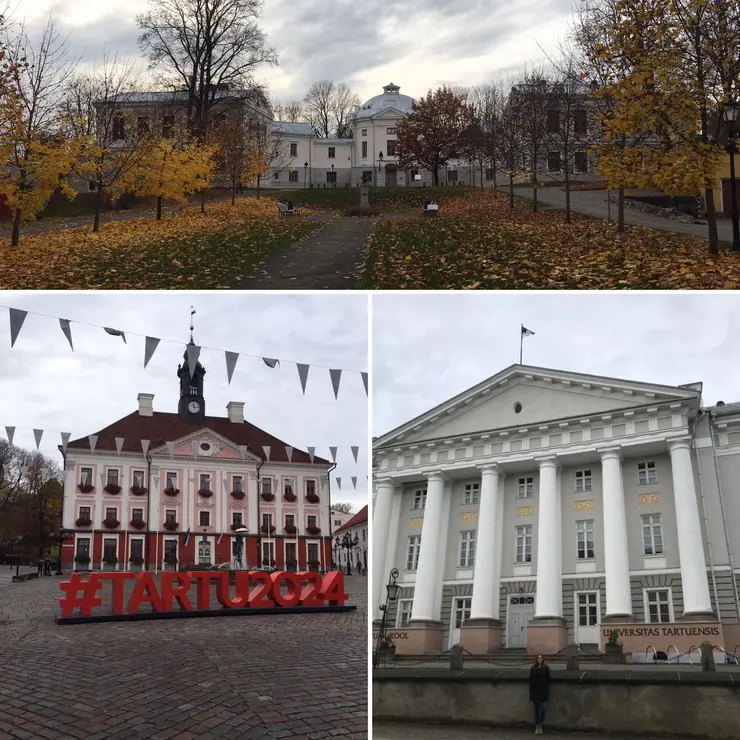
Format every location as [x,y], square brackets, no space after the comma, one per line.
[404,608]
[200,513]
[652,589]
[201,476]
[240,479]
[420,499]
[412,552]
[582,537]
[117,473]
[650,520]
[85,480]
[525,487]
[167,479]
[471,494]
[141,473]
[584,481]
[267,484]
[525,536]
[467,549]
[577,614]
[647,473]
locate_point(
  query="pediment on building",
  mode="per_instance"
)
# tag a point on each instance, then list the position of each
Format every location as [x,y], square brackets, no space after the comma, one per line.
[210,446]
[523,396]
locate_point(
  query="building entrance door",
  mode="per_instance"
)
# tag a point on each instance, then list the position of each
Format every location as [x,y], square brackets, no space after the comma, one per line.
[587,618]
[521,610]
[204,553]
[460,613]
[391,176]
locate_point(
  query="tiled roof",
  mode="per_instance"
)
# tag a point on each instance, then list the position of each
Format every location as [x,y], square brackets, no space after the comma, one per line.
[294,129]
[167,427]
[358,518]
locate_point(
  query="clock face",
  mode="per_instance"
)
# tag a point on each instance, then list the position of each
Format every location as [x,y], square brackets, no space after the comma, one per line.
[193,407]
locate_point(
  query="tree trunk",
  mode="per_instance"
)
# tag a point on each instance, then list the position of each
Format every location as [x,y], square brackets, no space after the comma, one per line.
[511,191]
[233,193]
[493,174]
[159,208]
[620,211]
[534,180]
[567,196]
[259,183]
[482,186]
[711,221]
[16,228]
[203,202]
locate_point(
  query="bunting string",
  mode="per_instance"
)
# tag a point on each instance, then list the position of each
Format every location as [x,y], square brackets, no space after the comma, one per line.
[18,317]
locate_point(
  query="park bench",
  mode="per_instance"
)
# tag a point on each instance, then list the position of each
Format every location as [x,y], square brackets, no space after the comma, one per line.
[287,209]
[431,208]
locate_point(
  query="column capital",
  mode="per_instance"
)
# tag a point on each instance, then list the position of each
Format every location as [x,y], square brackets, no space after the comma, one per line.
[612,451]
[547,461]
[489,468]
[679,443]
[436,475]
[385,481]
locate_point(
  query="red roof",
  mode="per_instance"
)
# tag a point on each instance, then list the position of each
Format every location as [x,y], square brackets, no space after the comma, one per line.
[358,518]
[165,427]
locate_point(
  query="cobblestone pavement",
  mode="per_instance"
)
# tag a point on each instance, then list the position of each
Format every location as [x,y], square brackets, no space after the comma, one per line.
[384,731]
[284,676]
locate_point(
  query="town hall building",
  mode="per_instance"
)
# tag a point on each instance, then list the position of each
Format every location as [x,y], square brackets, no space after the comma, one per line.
[158,490]
[543,507]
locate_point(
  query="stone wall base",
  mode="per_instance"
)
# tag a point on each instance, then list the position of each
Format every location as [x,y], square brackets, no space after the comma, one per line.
[618,619]
[546,635]
[481,636]
[423,637]
[699,617]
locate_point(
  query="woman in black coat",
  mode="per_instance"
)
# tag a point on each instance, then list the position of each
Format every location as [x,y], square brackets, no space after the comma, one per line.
[539,691]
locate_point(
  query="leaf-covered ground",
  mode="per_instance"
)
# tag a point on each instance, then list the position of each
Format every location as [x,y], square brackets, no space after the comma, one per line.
[478,242]
[187,250]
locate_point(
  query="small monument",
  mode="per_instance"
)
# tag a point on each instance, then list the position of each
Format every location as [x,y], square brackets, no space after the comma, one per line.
[707,656]
[365,191]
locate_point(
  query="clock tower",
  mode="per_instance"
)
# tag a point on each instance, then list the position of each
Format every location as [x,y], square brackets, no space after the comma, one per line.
[192,406]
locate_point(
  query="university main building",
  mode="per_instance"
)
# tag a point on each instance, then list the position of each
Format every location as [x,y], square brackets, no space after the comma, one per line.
[542,507]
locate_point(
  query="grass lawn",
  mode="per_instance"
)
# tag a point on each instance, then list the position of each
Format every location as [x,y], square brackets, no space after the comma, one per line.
[478,242]
[188,250]
[389,200]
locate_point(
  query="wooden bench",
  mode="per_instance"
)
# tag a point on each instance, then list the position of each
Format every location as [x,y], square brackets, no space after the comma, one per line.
[286,210]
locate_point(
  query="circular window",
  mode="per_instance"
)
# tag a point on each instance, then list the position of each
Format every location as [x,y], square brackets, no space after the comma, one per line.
[517,407]
[205,446]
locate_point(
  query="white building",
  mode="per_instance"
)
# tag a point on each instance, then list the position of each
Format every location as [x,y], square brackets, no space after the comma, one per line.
[543,507]
[356,527]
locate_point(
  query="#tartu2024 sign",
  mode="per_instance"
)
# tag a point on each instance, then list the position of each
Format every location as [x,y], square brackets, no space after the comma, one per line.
[192,590]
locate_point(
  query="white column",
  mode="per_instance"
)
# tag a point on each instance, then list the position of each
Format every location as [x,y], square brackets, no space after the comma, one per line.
[381,525]
[485,601]
[426,572]
[616,550]
[549,568]
[392,540]
[696,599]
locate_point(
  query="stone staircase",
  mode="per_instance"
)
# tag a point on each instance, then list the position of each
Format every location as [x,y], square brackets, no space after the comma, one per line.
[514,657]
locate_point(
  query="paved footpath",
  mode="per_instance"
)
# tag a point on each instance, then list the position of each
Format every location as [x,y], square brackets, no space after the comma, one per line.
[272,676]
[386,731]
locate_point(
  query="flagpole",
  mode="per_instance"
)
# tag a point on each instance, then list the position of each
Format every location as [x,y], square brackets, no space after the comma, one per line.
[521,342]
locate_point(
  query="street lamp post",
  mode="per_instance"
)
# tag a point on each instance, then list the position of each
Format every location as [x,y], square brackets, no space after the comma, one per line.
[348,544]
[64,534]
[392,589]
[19,540]
[305,174]
[333,182]
[731,114]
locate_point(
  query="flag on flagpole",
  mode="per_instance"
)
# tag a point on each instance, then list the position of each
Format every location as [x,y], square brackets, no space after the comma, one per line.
[186,539]
[524,333]
[527,332]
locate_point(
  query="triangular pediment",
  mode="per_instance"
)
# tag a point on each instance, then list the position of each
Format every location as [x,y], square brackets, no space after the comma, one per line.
[523,396]
[211,446]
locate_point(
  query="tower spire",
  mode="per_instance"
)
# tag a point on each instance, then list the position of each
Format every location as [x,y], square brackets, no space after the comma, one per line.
[192,313]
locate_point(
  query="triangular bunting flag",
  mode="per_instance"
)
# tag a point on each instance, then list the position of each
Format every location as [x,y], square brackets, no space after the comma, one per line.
[145,446]
[194,448]
[354,482]
[270,362]
[65,440]
[336,376]
[193,352]
[93,440]
[171,448]
[333,451]
[231,358]
[119,445]
[243,451]
[355,450]
[289,453]
[37,434]
[150,347]
[267,449]
[17,317]
[303,375]
[64,323]
[339,484]
[364,381]
[116,333]
[311,452]
[10,431]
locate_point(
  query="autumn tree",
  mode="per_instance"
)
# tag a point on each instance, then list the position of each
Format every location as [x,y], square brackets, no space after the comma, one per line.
[235,151]
[487,103]
[431,134]
[328,107]
[210,49]
[266,153]
[511,144]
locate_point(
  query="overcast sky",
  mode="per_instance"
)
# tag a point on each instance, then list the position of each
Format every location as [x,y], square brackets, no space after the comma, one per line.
[419,46]
[428,348]
[45,385]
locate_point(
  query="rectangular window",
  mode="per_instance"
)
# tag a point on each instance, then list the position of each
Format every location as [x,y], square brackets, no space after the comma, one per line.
[267,522]
[462,611]
[267,485]
[451,175]
[83,546]
[236,518]
[170,515]
[652,534]
[109,547]
[412,555]
[205,482]
[471,495]
[647,475]
[170,549]
[391,130]
[364,132]
[553,122]
[136,549]
[237,483]
[553,162]
[119,128]
[204,518]
[290,520]
[420,499]
[332,152]
[337,522]
[580,122]
[138,479]
[311,521]
[172,481]
[289,485]
[294,150]
[310,488]
[583,481]
[364,150]
[467,549]
[276,175]
[85,476]
[312,552]
[390,146]
[585,534]
[525,488]
[168,125]
[84,512]
[331,176]
[291,555]
[111,513]
[112,476]
[658,606]
[293,176]
[524,544]
[587,610]
[580,161]
[137,514]
[404,612]
[142,125]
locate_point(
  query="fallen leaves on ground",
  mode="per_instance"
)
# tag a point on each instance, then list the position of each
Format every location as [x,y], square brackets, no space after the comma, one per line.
[186,250]
[479,242]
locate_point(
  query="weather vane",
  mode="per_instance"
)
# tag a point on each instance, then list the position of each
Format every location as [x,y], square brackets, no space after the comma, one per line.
[192,313]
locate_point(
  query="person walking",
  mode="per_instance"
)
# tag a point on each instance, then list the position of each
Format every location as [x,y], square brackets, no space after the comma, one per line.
[539,691]
[40,568]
